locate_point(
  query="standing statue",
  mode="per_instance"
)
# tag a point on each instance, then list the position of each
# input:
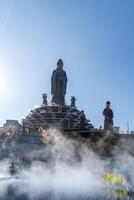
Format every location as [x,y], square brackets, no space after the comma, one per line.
[44,96]
[108,117]
[82,120]
[73,100]
[59,84]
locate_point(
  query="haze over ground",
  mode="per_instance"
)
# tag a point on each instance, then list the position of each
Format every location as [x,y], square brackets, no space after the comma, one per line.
[95,40]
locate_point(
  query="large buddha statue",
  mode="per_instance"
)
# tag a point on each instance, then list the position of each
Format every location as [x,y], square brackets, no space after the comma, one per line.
[59,84]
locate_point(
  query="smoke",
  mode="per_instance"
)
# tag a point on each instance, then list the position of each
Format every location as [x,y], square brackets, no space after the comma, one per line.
[65,168]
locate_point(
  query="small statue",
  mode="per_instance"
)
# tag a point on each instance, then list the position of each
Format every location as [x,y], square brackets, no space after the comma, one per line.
[108,117]
[44,96]
[73,100]
[82,120]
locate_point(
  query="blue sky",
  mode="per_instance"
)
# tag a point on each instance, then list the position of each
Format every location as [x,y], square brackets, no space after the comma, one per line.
[95,38]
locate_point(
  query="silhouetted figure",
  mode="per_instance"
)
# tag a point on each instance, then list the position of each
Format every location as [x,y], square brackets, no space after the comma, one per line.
[108,117]
[44,96]
[59,84]
[82,120]
[73,100]
[12,169]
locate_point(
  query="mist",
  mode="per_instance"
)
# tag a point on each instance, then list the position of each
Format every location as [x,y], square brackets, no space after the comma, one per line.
[65,168]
